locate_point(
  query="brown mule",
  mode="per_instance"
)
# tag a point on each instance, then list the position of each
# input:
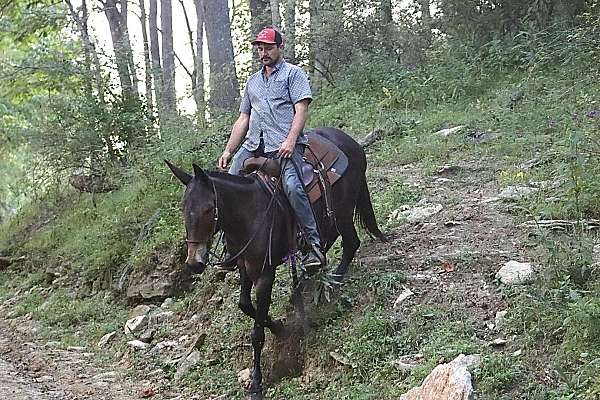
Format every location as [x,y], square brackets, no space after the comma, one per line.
[257,230]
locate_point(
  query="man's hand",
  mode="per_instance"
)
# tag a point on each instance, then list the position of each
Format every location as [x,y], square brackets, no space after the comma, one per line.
[224,159]
[287,148]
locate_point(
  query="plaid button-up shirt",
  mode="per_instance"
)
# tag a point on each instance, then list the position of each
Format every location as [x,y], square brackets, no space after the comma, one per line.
[270,103]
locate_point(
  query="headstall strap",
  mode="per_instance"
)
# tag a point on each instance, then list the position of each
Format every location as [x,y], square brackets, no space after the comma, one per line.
[215,218]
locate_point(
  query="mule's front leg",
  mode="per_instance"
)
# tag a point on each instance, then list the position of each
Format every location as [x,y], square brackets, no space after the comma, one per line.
[264,284]
[245,304]
[258,342]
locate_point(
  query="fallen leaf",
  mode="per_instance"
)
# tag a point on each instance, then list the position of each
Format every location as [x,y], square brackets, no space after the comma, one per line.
[147,392]
[447,266]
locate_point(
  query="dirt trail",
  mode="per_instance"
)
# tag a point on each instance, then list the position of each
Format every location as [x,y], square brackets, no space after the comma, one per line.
[43,371]
[472,236]
[18,383]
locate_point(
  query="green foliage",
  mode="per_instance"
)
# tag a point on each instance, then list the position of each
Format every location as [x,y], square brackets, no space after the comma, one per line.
[463,82]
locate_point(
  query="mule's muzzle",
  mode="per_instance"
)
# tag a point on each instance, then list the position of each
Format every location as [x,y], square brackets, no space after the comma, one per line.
[195,267]
[197,257]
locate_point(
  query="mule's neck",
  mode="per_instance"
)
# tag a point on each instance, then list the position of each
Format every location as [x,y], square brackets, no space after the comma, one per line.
[237,203]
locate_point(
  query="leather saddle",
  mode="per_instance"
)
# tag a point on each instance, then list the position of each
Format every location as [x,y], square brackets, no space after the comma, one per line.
[324,164]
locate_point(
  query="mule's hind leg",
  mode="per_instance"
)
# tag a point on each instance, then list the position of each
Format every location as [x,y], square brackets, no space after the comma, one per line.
[350,243]
[245,304]
[264,284]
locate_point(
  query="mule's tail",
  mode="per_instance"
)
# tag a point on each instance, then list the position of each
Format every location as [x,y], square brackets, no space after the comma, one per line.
[364,213]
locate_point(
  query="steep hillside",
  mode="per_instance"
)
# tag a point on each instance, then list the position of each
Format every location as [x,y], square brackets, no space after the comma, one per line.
[526,152]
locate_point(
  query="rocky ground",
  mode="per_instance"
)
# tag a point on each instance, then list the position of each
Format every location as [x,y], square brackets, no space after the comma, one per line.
[30,370]
[450,245]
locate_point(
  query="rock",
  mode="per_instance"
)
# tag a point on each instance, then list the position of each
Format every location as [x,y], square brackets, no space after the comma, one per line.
[136,324]
[596,254]
[341,359]
[417,214]
[449,131]
[109,376]
[163,317]
[164,345]
[147,336]
[216,300]
[448,169]
[44,379]
[106,338]
[76,348]
[161,277]
[516,192]
[244,376]
[478,137]
[515,273]
[498,342]
[186,365]
[140,310]
[168,303]
[517,353]
[500,317]
[138,344]
[450,381]
[406,293]
[404,366]
[197,342]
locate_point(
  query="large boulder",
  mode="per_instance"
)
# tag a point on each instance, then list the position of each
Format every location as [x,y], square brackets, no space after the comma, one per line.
[165,275]
[450,381]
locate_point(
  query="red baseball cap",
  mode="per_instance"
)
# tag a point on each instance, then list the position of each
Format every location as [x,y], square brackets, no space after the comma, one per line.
[268,35]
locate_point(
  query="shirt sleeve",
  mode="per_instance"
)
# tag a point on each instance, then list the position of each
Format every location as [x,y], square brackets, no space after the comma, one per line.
[299,86]
[245,106]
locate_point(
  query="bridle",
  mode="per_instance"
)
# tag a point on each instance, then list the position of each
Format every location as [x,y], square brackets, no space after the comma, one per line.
[215,218]
[216,225]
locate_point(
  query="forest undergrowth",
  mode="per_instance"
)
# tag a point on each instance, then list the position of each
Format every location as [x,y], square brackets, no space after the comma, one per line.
[530,114]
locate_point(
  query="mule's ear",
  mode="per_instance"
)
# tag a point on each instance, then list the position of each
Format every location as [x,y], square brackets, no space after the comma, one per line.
[200,174]
[183,176]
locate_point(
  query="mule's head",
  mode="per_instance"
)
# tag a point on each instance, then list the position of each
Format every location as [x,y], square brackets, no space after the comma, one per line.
[199,215]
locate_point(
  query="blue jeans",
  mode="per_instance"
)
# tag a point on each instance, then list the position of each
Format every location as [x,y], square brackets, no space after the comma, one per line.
[292,186]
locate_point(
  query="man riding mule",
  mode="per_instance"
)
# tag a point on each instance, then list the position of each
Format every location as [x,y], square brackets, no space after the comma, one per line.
[273,112]
[256,229]
[255,223]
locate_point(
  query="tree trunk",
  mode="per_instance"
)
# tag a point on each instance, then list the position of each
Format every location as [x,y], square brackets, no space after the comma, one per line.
[198,86]
[127,48]
[121,47]
[290,30]
[148,76]
[260,13]
[224,88]
[275,15]
[426,20]
[386,11]
[92,63]
[168,58]
[314,28]
[155,55]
